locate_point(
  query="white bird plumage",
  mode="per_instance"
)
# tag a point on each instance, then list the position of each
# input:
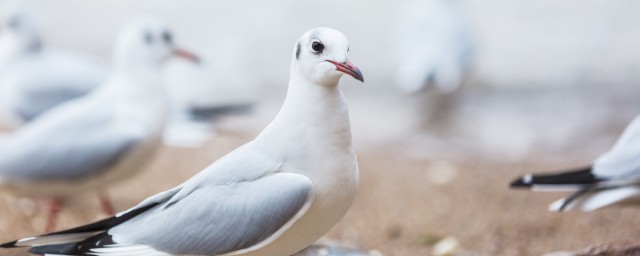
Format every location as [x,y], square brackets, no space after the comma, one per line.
[272,196]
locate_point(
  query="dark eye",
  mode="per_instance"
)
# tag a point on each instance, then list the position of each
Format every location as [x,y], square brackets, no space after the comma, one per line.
[167,37]
[317,47]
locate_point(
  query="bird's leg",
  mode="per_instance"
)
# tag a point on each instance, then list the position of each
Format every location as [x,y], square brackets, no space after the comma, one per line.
[105,203]
[54,205]
[574,196]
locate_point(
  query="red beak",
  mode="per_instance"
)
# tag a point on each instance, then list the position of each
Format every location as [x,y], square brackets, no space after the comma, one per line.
[348,68]
[186,55]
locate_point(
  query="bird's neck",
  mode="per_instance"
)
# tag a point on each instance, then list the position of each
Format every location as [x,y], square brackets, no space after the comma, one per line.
[313,117]
[135,82]
[140,96]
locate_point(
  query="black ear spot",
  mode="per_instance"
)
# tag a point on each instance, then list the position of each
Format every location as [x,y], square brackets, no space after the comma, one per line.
[148,38]
[298,51]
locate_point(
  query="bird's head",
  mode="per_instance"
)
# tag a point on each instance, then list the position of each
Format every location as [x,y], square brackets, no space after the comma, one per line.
[147,42]
[321,55]
[20,28]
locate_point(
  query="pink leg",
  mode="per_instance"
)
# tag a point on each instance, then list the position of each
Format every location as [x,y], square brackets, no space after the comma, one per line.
[105,202]
[54,206]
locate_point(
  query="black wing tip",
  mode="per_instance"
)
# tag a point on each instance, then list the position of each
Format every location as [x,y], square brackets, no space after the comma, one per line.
[11,244]
[75,248]
[582,176]
[61,249]
[522,182]
[103,237]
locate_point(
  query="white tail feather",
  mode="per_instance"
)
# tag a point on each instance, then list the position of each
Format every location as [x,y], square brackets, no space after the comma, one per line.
[55,239]
[129,250]
[608,197]
[555,206]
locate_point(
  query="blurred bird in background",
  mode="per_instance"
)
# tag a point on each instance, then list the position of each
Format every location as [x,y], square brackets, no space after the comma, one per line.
[435,54]
[614,178]
[90,142]
[35,77]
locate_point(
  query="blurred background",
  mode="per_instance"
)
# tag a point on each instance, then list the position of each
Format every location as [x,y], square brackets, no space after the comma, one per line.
[544,85]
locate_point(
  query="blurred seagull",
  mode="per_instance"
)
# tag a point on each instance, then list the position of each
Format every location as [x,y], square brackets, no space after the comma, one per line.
[434,46]
[33,77]
[272,196]
[434,50]
[613,178]
[107,135]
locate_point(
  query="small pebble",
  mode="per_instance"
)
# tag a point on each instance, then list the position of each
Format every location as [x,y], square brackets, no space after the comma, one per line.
[323,251]
[448,246]
[28,206]
[375,253]
[441,172]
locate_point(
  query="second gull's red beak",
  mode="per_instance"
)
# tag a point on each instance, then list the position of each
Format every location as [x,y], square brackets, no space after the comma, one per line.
[186,55]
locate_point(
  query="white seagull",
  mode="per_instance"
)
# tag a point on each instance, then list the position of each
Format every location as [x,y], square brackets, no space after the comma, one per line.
[35,77]
[90,142]
[614,178]
[272,196]
[434,46]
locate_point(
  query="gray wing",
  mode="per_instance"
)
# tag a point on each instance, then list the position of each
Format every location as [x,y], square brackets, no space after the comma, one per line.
[52,78]
[60,154]
[218,219]
[32,104]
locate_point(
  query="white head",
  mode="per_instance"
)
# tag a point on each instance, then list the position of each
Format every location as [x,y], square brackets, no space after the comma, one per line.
[20,29]
[321,56]
[146,44]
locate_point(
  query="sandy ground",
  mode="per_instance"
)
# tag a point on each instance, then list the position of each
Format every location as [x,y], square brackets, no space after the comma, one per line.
[417,186]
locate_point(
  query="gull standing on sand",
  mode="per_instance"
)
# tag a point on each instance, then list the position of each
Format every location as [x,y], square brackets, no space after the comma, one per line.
[272,196]
[434,52]
[92,141]
[35,77]
[614,178]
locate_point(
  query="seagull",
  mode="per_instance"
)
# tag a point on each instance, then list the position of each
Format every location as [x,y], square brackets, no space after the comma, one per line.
[35,77]
[434,46]
[614,177]
[81,145]
[274,195]
[434,52]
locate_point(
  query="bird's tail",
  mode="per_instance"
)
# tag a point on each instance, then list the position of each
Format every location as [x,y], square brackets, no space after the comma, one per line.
[75,248]
[594,200]
[76,241]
